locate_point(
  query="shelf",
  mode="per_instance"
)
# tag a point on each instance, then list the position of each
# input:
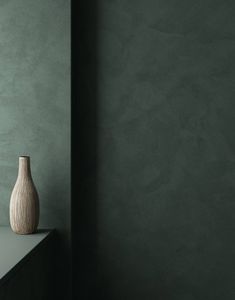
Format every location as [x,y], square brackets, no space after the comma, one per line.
[16,249]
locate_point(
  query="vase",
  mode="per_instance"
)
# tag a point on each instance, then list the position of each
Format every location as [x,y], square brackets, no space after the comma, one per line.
[24,202]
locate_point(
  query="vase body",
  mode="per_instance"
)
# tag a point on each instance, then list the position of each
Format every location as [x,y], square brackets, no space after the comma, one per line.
[24,202]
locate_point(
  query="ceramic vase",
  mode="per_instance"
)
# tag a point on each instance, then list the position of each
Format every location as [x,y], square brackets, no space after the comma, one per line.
[24,202]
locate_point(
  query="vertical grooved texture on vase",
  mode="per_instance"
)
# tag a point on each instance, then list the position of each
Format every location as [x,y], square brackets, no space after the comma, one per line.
[24,202]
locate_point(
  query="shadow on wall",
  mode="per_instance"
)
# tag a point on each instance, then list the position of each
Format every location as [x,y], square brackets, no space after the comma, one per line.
[62,255]
[84,147]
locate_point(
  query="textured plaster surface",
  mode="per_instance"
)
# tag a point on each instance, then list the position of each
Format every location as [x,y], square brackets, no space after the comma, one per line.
[166,149]
[35,103]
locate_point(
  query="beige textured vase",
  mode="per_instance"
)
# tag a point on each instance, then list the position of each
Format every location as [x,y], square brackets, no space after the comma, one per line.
[24,202]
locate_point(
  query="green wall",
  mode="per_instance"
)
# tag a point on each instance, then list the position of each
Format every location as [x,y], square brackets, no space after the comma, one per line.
[164,164]
[35,102]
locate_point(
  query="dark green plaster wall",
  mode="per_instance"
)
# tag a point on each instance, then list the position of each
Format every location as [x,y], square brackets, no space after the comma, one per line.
[164,165]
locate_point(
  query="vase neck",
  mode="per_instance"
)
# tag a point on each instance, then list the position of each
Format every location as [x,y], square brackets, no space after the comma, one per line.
[24,167]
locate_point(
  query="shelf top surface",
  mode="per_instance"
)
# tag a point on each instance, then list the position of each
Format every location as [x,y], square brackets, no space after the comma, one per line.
[14,248]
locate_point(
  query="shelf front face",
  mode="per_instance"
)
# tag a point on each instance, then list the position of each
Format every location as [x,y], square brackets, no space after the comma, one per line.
[14,248]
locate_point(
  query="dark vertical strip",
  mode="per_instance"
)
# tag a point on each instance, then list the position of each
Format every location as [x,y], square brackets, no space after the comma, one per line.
[84,147]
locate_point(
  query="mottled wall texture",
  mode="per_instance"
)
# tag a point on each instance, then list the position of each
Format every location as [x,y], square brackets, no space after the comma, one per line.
[35,103]
[158,92]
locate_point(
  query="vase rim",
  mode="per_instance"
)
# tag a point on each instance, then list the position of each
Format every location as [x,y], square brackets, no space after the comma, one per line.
[24,156]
